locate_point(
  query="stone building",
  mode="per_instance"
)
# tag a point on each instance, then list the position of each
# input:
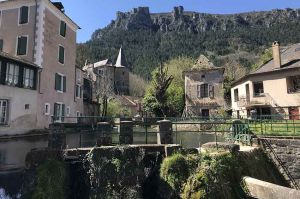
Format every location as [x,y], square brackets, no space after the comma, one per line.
[39,32]
[273,89]
[113,79]
[203,89]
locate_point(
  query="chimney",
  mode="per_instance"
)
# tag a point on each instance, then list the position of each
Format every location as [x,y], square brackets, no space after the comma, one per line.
[276,54]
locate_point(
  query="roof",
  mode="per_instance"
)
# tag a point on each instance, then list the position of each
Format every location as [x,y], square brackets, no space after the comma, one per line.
[128,100]
[203,64]
[105,62]
[17,59]
[121,61]
[290,59]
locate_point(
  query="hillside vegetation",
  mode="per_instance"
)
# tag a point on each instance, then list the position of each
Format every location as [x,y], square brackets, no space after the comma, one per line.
[150,39]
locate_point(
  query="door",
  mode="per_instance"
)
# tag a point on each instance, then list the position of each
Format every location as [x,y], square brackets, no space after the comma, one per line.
[294,113]
[205,113]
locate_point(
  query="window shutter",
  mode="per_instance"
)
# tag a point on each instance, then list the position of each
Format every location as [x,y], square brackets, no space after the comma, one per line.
[76,91]
[63,109]
[64,83]
[1,45]
[211,91]
[23,15]
[80,93]
[63,27]
[55,110]
[61,55]
[22,46]
[202,90]
[56,87]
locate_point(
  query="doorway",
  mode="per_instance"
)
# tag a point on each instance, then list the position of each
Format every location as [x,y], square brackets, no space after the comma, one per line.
[294,113]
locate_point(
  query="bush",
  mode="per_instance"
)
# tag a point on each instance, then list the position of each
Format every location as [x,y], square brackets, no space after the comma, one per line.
[51,181]
[175,171]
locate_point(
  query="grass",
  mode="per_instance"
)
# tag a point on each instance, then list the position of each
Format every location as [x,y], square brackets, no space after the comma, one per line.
[276,127]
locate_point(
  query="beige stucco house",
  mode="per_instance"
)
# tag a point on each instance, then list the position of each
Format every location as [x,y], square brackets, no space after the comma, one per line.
[203,89]
[273,89]
[38,31]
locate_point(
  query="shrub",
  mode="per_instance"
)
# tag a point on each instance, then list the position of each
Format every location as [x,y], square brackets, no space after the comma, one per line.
[174,170]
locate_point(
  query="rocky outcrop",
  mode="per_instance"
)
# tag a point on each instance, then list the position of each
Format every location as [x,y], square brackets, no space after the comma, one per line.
[194,22]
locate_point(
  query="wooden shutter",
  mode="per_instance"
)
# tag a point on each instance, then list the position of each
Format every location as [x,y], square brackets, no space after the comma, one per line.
[55,111]
[61,55]
[23,15]
[22,46]
[1,45]
[57,87]
[202,91]
[64,83]
[211,91]
[80,93]
[63,109]
[63,27]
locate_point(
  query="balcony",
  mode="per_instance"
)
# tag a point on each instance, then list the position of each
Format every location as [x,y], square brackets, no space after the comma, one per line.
[264,99]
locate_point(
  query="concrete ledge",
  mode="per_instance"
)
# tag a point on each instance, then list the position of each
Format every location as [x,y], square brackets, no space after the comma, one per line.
[264,190]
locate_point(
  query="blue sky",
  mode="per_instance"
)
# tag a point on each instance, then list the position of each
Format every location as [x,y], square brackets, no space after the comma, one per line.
[93,14]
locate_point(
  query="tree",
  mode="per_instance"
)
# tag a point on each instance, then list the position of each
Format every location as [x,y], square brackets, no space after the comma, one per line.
[137,85]
[159,96]
[175,91]
[104,88]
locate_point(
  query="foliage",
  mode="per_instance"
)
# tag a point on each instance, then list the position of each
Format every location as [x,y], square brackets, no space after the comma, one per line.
[51,181]
[115,109]
[175,92]
[137,85]
[145,49]
[174,170]
[159,95]
[217,175]
[265,57]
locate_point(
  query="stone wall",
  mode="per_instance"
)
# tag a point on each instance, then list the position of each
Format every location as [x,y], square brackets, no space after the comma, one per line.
[286,155]
[264,190]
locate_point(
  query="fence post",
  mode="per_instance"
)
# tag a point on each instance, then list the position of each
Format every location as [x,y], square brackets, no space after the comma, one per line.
[126,132]
[176,130]
[105,136]
[294,126]
[146,130]
[216,137]
[165,131]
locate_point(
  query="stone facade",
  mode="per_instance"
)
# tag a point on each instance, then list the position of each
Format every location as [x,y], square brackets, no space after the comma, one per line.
[287,154]
[203,89]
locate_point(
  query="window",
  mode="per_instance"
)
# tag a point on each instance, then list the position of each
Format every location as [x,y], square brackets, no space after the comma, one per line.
[205,113]
[236,95]
[3,111]
[23,15]
[1,45]
[60,82]
[78,91]
[47,109]
[26,106]
[22,45]
[28,78]
[12,74]
[293,84]
[258,88]
[61,55]
[59,112]
[78,116]
[202,90]
[63,28]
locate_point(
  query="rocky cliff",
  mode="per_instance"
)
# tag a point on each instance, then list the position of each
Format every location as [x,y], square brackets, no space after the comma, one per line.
[151,38]
[181,21]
